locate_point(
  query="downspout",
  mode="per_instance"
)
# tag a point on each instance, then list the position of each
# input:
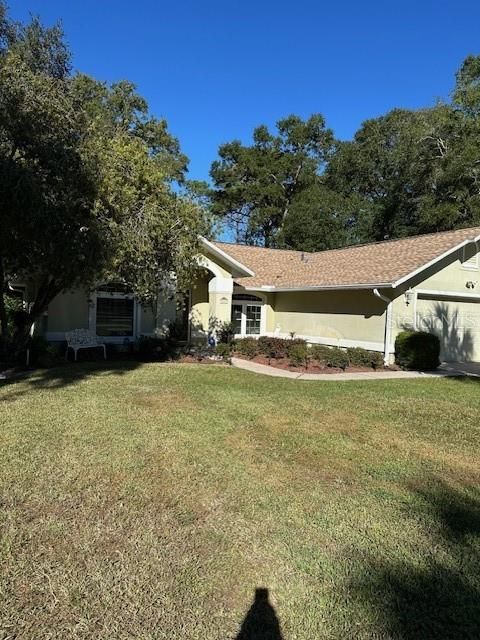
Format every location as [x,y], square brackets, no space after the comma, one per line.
[388,325]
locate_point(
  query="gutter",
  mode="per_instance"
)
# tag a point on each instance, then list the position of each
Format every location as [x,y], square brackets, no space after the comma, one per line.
[388,325]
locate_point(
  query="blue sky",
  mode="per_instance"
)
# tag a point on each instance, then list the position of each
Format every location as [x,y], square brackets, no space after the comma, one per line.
[216,69]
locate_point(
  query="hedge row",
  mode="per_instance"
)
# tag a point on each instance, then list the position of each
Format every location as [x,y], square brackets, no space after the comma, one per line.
[300,354]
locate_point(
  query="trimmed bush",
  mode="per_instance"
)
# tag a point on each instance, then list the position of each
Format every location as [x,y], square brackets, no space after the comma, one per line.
[247,347]
[320,353]
[293,343]
[337,358]
[417,350]
[272,347]
[299,355]
[359,357]
[376,359]
[223,349]
[151,348]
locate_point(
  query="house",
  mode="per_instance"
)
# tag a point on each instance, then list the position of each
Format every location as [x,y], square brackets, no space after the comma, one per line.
[356,296]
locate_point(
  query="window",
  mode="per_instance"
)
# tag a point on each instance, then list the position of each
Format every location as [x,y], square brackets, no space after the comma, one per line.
[253,314]
[246,314]
[237,313]
[115,311]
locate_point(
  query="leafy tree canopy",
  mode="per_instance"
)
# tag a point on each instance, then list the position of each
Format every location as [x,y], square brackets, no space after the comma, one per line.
[256,184]
[86,178]
[407,172]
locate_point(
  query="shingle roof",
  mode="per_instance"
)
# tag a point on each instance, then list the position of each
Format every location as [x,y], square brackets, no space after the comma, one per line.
[380,263]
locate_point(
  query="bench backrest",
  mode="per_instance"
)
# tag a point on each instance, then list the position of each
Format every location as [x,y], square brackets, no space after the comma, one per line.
[80,336]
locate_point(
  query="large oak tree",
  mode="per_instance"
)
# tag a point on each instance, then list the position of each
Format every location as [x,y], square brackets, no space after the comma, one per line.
[86,179]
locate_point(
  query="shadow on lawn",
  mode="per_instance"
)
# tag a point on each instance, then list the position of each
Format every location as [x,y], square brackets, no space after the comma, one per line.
[439,597]
[65,375]
[261,622]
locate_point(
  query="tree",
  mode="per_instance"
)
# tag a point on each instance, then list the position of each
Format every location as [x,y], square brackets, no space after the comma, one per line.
[466,95]
[255,185]
[86,179]
[417,171]
[320,219]
[381,166]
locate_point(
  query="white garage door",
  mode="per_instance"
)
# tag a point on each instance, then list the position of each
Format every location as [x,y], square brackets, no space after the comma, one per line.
[456,323]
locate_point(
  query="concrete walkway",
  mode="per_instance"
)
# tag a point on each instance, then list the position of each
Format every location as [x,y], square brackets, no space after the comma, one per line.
[445,371]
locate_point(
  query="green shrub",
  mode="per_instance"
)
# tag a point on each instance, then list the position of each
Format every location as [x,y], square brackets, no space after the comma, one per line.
[51,357]
[152,348]
[246,347]
[273,347]
[376,359]
[320,353]
[417,350]
[299,355]
[293,343]
[226,333]
[12,306]
[177,331]
[223,349]
[337,358]
[39,349]
[359,357]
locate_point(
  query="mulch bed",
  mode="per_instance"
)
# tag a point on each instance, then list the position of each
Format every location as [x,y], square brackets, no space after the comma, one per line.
[314,367]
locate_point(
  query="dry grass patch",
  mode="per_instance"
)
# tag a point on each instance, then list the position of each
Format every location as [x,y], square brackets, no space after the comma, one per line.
[152,501]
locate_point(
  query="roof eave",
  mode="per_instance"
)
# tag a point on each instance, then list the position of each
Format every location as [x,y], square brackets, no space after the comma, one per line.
[340,287]
[241,268]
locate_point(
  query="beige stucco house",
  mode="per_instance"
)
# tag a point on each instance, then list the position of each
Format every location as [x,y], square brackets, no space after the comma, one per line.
[356,296]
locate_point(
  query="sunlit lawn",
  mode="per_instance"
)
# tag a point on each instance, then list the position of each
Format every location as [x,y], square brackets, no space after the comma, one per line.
[151,501]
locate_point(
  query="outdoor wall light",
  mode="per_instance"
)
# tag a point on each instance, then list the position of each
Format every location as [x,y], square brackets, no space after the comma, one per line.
[409,296]
[470,284]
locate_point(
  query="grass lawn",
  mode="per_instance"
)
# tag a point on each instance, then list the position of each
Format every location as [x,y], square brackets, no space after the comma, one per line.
[151,501]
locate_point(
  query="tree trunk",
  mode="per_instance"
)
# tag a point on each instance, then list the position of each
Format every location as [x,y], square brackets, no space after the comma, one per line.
[46,292]
[3,310]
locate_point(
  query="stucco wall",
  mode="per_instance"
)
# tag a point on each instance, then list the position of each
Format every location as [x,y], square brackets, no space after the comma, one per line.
[68,311]
[166,314]
[270,312]
[199,309]
[147,320]
[336,316]
[456,321]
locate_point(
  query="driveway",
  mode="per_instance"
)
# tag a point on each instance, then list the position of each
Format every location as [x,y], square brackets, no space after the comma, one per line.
[462,368]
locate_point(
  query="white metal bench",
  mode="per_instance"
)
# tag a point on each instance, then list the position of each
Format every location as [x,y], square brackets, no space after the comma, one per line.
[83,339]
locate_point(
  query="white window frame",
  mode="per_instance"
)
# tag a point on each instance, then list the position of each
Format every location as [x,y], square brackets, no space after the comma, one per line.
[92,316]
[244,304]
